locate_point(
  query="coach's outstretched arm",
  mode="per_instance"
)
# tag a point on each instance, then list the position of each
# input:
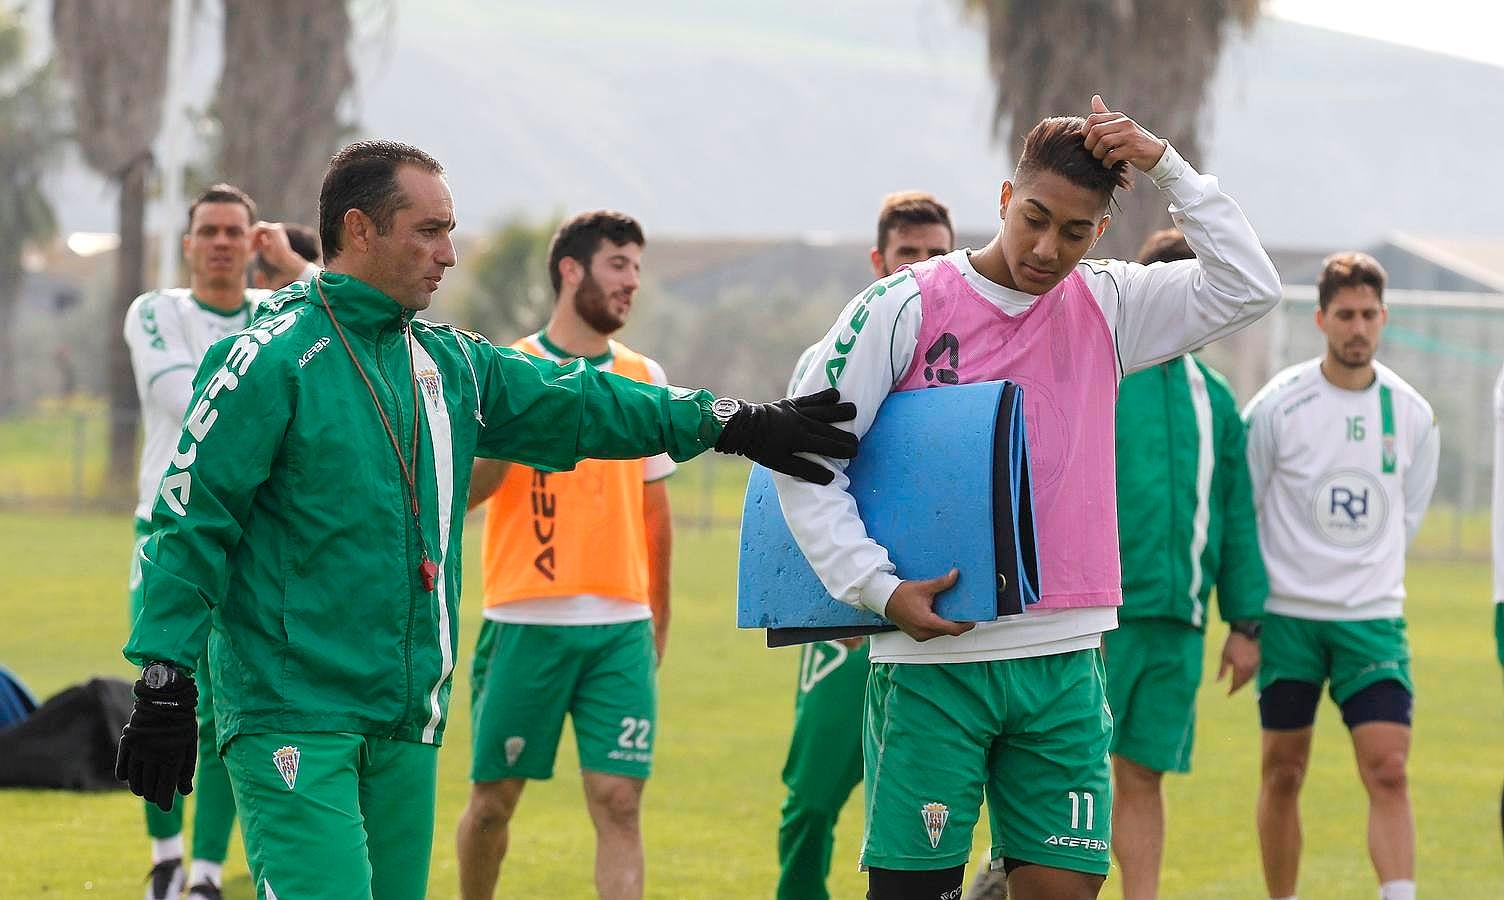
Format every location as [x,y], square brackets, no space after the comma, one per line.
[550,417]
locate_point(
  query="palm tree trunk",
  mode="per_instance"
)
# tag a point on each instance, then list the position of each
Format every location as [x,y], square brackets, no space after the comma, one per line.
[286,72]
[10,290]
[130,281]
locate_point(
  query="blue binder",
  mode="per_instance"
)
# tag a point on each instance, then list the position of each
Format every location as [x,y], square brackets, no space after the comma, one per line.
[942,481]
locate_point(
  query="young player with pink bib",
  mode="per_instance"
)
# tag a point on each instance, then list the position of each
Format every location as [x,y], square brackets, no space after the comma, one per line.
[1015,709]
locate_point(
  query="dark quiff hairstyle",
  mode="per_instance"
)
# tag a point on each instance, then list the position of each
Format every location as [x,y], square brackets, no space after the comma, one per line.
[1058,145]
[1165,245]
[902,209]
[363,176]
[223,193]
[579,238]
[1346,270]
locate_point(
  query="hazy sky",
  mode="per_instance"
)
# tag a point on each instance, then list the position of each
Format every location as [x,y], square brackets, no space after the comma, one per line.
[1469,28]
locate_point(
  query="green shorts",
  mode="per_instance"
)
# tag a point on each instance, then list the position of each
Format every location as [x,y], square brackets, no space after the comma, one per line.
[1029,734]
[1153,673]
[526,677]
[1352,655]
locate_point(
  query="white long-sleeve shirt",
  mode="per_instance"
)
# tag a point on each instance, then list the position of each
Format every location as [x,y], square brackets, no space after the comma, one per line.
[1498,504]
[168,332]
[1341,481]
[1154,312]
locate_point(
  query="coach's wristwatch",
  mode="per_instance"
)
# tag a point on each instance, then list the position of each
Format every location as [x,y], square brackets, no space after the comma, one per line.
[724,408]
[159,675]
[1248,628]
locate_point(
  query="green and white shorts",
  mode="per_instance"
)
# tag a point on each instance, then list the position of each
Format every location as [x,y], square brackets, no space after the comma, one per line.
[1031,735]
[527,677]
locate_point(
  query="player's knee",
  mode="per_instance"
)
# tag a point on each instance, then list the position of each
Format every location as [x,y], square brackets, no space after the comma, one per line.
[618,801]
[491,806]
[1385,773]
[1284,774]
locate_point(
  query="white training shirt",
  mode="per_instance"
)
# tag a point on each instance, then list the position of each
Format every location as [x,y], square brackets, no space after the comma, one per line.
[1154,312]
[588,609]
[1340,486]
[168,333]
[1498,504]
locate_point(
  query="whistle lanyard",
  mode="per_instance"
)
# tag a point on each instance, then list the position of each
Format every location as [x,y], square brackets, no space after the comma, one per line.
[427,569]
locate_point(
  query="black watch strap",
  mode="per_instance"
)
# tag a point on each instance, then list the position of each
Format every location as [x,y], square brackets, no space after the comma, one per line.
[1248,628]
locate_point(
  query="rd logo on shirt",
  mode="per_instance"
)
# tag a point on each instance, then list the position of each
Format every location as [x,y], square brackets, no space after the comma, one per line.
[1350,508]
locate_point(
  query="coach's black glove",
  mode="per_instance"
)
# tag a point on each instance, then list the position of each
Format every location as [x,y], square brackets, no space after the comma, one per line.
[159,746]
[771,433]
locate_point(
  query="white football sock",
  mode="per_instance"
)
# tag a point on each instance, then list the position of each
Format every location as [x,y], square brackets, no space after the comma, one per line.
[203,871]
[166,848]
[1399,889]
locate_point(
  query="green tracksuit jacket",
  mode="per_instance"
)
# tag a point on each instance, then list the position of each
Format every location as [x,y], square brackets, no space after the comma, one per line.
[1185,504]
[283,536]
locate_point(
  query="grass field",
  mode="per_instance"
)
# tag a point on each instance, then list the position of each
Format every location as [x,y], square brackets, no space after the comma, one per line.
[712,806]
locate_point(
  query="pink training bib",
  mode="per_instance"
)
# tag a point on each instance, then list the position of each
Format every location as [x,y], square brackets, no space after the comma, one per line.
[1060,351]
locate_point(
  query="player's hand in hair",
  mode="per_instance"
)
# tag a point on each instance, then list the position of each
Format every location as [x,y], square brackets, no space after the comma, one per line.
[1112,137]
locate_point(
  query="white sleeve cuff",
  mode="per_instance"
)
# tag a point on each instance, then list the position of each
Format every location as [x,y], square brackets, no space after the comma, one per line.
[878,589]
[309,273]
[1169,169]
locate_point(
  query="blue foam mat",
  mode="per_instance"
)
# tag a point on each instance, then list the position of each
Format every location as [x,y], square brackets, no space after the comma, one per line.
[931,470]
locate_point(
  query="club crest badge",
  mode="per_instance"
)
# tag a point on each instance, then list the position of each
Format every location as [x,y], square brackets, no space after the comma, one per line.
[428,380]
[935,816]
[286,759]
[514,747]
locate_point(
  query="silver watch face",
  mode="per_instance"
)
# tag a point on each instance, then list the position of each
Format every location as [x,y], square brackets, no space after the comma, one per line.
[724,408]
[156,675]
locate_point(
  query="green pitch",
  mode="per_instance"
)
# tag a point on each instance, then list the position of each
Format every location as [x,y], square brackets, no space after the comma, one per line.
[711,809]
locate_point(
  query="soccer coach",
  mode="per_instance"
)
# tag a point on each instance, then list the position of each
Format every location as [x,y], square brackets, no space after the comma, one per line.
[309,531]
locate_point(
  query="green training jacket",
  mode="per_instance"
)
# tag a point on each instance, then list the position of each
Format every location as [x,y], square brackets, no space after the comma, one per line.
[1185,504]
[282,534]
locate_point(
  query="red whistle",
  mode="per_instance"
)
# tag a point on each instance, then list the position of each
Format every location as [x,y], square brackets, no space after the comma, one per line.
[428,571]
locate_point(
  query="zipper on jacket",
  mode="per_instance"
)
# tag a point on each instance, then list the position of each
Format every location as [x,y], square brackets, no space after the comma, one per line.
[407,528]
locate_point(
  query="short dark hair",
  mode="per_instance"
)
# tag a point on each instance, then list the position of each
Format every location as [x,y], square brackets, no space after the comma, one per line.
[363,176]
[580,237]
[904,208]
[303,241]
[223,193]
[1165,245]
[1058,145]
[1349,269]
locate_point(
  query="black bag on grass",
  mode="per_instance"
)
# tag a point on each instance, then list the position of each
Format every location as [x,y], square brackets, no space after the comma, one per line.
[70,741]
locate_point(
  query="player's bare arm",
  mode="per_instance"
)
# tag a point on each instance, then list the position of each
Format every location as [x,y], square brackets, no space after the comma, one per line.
[486,475]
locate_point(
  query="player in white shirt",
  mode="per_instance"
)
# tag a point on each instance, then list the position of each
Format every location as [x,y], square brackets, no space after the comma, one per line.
[1343,456]
[168,333]
[1498,530]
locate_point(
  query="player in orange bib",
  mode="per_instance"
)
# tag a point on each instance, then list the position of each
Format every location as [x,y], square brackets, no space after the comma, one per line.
[576,591]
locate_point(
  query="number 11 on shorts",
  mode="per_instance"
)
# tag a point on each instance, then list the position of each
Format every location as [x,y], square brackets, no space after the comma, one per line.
[1078,800]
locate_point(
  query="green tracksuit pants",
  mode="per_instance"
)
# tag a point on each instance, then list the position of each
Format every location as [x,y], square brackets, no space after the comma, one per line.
[335,816]
[824,765]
